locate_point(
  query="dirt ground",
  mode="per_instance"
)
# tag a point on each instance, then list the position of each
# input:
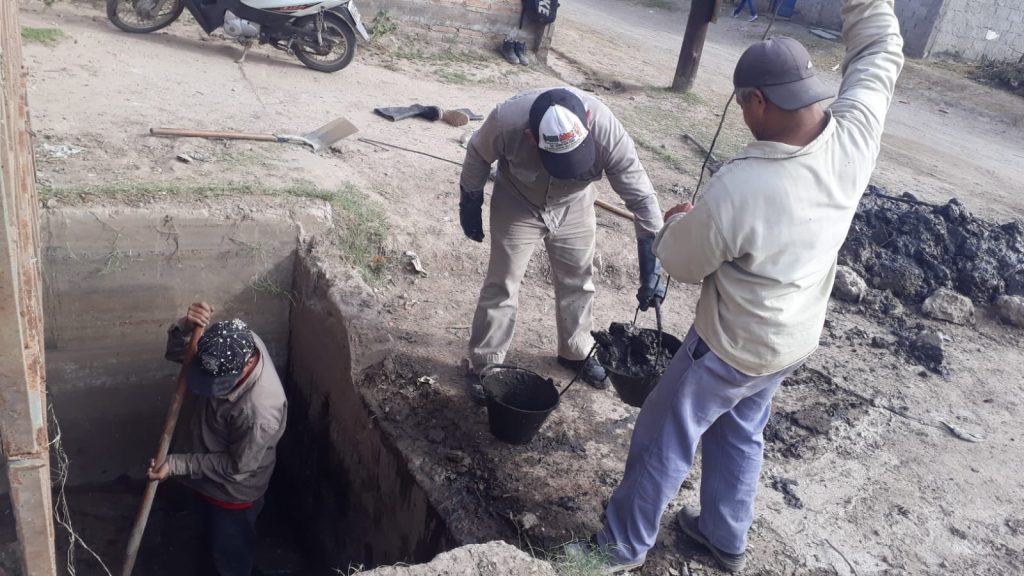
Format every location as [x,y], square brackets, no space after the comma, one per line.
[872,487]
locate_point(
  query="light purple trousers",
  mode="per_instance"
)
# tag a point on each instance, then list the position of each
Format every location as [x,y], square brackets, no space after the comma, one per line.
[699,396]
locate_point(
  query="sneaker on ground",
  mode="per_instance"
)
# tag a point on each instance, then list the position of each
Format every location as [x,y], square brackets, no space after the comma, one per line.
[455,117]
[508,50]
[521,53]
[687,519]
[752,18]
[609,565]
[590,370]
[736,14]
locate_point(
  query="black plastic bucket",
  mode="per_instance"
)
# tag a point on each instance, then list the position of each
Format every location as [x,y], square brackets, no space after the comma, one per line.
[632,389]
[518,402]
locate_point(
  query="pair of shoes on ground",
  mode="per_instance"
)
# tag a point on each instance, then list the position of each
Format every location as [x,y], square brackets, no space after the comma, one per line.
[687,520]
[737,15]
[514,52]
[589,370]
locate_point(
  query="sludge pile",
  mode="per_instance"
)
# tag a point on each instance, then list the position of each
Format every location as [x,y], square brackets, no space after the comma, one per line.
[912,249]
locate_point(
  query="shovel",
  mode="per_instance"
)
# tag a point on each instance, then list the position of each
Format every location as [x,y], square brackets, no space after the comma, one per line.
[318,139]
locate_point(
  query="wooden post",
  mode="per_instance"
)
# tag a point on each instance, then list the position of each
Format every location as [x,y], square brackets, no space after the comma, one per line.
[702,13]
[22,374]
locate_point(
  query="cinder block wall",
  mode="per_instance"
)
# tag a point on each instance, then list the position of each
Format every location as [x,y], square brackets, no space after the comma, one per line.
[917,23]
[483,23]
[940,27]
[964,24]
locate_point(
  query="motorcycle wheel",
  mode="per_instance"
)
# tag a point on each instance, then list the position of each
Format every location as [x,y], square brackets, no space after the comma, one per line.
[136,16]
[336,31]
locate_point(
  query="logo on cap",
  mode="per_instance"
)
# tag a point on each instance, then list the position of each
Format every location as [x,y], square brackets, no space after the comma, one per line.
[561,130]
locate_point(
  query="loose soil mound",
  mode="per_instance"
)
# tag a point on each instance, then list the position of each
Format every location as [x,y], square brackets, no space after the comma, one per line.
[912,248]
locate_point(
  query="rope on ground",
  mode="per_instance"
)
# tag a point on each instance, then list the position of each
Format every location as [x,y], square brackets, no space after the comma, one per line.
[397,147]
[725,113]
[61,512]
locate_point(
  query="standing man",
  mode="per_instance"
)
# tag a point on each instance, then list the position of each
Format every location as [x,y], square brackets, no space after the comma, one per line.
[551,146]
[238,420]
[763,241]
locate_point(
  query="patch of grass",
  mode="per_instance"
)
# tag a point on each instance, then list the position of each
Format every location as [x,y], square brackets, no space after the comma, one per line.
[418,52]
[661,152]
[360,228]
[1006,75]
[451,76]
[592,563]
[663,4]
[383,25]
[47,36]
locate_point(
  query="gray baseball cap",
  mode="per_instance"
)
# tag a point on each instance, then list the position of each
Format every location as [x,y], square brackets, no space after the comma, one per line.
[781,68]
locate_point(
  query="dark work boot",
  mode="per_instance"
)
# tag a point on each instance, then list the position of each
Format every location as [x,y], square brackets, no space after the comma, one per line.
[508,50]
[687,519]
[521,53]
[589,370]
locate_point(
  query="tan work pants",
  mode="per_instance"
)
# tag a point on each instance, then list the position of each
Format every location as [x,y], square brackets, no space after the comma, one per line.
[515,229]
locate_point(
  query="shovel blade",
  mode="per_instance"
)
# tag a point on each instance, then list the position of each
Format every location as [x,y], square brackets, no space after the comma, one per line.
[330,133]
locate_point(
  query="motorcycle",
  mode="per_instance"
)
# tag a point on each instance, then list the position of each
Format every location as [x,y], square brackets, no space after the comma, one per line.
[320,33]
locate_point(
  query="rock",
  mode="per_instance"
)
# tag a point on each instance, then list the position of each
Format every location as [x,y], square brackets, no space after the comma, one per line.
[927,349]
[528,521]
[945,304]
[1010,309]
[848,287]
[491,559]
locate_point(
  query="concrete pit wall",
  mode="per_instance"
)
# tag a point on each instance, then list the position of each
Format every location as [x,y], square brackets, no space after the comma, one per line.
[115,278]
[354,494]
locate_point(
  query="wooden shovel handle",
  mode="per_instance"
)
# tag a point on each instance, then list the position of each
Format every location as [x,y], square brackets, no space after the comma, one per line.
[614,210]
[135,538]
[212,134]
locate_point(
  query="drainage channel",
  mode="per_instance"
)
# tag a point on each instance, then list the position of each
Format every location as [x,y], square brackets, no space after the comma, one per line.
[342,496]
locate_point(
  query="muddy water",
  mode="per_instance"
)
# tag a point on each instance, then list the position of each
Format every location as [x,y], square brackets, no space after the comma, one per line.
[912,249]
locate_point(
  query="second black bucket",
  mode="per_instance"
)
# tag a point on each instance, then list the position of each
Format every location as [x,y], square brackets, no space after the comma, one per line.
[631,388]
[518,402]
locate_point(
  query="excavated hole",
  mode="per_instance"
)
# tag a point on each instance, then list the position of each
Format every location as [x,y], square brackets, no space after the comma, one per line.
[342,496]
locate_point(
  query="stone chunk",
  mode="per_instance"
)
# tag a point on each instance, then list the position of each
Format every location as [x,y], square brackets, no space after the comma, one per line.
[945,304]
[849,286]
[1010,309]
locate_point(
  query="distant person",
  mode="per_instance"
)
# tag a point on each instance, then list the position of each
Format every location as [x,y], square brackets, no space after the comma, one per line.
[238,420]
[750,4]
[551,146]
[763,244]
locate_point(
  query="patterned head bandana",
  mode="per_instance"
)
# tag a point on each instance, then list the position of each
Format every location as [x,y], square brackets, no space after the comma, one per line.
[220,358]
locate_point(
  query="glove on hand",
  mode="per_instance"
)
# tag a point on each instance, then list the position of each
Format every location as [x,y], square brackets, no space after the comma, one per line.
[470,214]
[652,285]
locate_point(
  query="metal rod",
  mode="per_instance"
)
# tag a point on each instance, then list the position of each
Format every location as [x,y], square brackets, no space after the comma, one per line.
[135,539]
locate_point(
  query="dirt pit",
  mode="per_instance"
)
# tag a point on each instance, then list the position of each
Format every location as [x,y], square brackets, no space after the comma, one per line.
[912,248]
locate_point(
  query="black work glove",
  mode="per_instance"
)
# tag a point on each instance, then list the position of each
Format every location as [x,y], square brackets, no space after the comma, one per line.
[652,285]
[471,206]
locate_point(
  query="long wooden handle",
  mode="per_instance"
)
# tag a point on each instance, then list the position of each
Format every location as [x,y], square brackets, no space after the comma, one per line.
[135,539]
[212,134]
[615,210]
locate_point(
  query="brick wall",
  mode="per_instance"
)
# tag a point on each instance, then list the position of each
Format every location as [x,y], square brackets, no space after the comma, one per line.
[480,22]
[965,24]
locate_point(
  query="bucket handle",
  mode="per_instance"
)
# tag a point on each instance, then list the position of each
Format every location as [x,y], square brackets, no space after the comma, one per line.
[580,371]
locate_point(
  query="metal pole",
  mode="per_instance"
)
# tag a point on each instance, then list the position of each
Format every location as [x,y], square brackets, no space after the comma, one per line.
[22,361]
[135,539]
[702,13]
